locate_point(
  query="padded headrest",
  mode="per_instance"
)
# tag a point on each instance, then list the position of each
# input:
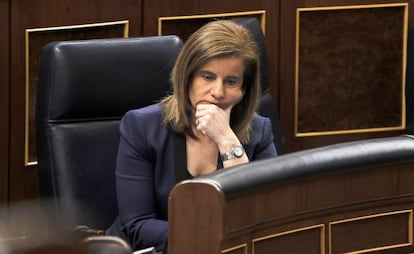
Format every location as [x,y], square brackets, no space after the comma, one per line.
[83,74]
[323,160]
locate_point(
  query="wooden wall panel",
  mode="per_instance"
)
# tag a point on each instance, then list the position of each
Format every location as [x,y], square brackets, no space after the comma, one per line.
[345,234]
[184,26]
[4,98]
[311,239]
[26,15]
[410,80]
[350,66]
[287,77]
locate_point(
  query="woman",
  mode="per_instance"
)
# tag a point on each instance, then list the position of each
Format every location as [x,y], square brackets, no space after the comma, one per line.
[208,123]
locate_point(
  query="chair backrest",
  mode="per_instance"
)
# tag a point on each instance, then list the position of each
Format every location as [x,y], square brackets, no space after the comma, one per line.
[84,89]
[266,105]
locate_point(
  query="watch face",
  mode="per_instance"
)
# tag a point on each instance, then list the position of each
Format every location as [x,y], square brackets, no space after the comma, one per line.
[238,151]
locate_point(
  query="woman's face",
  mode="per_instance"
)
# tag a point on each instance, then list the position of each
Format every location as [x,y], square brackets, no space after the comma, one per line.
[219,81]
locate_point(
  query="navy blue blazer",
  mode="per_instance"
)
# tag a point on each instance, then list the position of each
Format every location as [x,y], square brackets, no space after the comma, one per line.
[150,162]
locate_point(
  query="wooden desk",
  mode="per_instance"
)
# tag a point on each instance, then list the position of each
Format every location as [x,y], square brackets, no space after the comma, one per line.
[351,198]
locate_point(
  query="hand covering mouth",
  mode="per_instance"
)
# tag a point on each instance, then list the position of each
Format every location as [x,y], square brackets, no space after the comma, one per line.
[222,106]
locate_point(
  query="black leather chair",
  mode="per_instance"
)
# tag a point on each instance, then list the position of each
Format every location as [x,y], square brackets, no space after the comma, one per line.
[266,105]
[84,89]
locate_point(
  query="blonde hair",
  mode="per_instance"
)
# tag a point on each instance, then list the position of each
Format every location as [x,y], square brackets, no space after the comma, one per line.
[222,38]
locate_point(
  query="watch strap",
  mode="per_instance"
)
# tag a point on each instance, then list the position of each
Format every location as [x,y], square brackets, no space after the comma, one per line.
[227,156]
[233,153]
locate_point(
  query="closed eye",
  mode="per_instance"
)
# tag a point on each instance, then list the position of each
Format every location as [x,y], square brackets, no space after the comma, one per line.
[208,76]
[232,81]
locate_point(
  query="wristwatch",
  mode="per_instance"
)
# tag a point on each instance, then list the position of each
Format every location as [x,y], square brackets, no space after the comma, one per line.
[236,151]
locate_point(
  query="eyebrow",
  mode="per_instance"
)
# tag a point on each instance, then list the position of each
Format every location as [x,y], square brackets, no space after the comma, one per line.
[232,77]
[207,72]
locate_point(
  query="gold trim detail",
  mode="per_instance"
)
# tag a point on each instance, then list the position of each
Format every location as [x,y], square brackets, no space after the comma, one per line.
[409,226]
[52,28]
[241,246]
[322,235]
[216,15]
[27,97]
[326,133]
[345,7]
[404,60]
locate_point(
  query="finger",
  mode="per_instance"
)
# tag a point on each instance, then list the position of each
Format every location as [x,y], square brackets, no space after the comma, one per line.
[200,126]
[203,106]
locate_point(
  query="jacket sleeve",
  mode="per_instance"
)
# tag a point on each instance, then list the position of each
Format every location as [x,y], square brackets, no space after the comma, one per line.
[135,187]
[263,137]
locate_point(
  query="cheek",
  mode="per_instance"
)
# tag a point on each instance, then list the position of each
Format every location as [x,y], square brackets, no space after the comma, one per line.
[196,89]
[237,96]
[194,92]
[191,94]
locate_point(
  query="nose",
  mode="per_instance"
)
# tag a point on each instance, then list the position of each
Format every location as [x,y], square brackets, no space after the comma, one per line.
[217,90]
